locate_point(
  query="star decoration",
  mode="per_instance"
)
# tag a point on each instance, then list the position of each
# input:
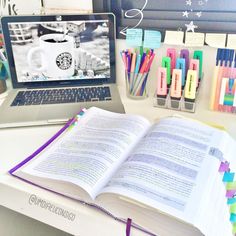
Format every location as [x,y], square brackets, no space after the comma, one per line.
[199,14]
[191,27]
[189,2]
[185,13]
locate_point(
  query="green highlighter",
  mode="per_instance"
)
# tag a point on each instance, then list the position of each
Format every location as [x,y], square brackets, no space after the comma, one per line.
[199,56]
[166,61]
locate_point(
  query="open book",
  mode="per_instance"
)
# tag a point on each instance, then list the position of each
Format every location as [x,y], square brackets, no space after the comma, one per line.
[166,174]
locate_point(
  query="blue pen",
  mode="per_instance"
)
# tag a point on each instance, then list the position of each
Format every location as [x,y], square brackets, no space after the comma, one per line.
[225,56]
[137,64]
[180,64]
[129,62]
[221,57]
[218,56]
[231,57]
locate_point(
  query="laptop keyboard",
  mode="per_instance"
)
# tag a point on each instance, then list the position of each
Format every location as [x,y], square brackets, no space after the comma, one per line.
[64,95]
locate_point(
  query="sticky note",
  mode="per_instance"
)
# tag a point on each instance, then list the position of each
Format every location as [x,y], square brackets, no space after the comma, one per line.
[134,37]
[224,166]
[230,193]
[231,186]
[174,37]
[231,41]
[234,228]
[231,201]
[233,218]
[152,39]
[233,208]
[228,177]
[194,39]
[216,40]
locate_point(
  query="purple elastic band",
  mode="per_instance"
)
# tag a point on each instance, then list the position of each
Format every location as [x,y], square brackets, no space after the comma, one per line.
[128,226]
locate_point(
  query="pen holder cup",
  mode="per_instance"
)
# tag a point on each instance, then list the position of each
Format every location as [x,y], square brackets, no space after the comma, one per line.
[136,85]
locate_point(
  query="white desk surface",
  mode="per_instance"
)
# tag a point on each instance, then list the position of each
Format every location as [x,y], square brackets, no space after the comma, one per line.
[18,143]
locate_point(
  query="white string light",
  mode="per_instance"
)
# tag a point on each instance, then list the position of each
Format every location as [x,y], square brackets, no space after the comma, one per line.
[131,13]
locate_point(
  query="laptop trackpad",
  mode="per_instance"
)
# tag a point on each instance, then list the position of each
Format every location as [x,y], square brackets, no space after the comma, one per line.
[59,113]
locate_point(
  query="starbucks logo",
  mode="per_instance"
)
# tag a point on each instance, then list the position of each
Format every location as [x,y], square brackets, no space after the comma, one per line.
[64,60]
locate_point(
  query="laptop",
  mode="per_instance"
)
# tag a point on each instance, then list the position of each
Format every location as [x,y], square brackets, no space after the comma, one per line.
[59,64]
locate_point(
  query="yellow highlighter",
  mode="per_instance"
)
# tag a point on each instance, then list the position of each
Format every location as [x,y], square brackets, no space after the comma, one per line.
[190,89]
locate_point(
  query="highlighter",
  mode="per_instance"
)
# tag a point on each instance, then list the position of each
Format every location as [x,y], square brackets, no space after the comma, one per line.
[166,63]
[190,89]
[176,86]
[199,56]
[171,52]
[180,64]
[161,86]
[184,53]
[194,65]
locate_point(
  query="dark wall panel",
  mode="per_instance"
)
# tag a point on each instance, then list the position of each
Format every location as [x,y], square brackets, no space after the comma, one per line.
[217,16]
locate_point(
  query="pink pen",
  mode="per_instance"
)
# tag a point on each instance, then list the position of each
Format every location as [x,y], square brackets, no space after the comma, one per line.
[150,63]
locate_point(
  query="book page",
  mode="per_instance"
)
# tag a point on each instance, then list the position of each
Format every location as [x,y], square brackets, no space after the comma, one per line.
[171,167]
[91,151]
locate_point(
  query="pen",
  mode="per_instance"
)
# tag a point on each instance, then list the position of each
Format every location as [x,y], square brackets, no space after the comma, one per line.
[141,75]
[150,62]
[142,60]
[147,71]
[133,62]
[136,71]
[124,59]
[128,63]
[141,51]
[144,65]
[137,64]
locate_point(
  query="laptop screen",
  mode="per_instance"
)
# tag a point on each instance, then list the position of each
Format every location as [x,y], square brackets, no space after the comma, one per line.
[50,50]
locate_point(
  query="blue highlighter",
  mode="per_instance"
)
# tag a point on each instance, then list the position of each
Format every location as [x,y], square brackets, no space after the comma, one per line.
[180,64]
